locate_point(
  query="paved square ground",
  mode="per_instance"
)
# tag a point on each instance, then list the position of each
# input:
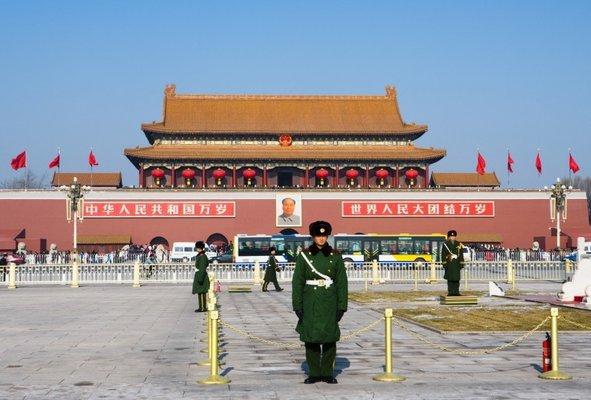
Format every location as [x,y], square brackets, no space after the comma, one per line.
[99,342]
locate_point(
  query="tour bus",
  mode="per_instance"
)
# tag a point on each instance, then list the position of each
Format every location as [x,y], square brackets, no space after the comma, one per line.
[356,248]
[403,247]
[251,248]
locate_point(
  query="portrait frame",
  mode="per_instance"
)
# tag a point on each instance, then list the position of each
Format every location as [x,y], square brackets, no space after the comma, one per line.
[287,221]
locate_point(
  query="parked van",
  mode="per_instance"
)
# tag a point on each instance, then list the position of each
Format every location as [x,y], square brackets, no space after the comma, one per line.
[185,252]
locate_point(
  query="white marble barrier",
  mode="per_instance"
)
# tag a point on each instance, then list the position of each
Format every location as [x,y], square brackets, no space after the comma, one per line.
[580,284]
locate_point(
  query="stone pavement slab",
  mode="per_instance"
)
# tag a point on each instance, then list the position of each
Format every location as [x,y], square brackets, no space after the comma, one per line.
[100,342]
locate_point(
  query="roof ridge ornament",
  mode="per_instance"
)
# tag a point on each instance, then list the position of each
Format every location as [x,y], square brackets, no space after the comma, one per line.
[170,90]
[390,92]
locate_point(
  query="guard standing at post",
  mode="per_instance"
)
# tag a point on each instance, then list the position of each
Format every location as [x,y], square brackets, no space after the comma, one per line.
[319,300]
[452,258]
[271,272]
[201,280]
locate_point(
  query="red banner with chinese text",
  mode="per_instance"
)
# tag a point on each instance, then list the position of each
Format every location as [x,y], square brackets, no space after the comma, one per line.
[403,209]
[159,209]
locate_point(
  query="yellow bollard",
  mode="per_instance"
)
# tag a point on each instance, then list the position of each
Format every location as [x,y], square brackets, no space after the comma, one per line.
[12,276]
[510,271]
[136,273]
[513,280]
[554,374]
[214,378]
[416,276]
[388,376]
[465,278]
[375,276]
[74,283]
[365,279]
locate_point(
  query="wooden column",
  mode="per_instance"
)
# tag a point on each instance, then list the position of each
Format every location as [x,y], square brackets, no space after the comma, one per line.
[367,176]
[203,181]
[142,176]
[336,176]
[234,176]
[173,176]
[265,176]
[307,177]
[426,185]
[397,179]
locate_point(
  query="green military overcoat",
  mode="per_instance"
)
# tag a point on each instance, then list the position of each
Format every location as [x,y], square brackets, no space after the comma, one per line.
[451,266]
[319,304]
[271,271]
[201,280]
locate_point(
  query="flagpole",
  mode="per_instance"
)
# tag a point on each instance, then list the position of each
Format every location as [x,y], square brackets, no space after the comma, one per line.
[508,173]
[91,170]
[570,182]
[477,173]
[26,172]
[59,156]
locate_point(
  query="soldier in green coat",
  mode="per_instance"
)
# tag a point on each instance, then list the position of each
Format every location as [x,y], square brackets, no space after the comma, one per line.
[201,280]
[319,300]
[452,258]
[271,272]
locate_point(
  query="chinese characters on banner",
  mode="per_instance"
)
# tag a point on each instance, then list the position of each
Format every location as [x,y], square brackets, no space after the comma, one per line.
[377,209]
[159,209]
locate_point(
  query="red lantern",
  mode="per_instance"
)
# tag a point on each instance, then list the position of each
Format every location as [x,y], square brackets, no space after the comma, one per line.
[411,175]
[381,174]
[351,175]
[321,174]
[219,174]
[157,174]
[188,174]
[249,174]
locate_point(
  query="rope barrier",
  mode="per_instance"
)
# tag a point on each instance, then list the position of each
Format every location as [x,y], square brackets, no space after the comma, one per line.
[470,352]
[577,324]
[294,345]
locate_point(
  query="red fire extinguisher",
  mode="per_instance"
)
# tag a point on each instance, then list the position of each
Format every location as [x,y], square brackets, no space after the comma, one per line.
[218,287]
[546,354]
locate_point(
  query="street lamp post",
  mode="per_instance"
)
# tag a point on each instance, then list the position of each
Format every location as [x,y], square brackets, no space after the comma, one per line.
[74,203]
[558,208]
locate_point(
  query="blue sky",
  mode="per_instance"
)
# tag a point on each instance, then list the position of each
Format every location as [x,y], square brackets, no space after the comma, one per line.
[486,75]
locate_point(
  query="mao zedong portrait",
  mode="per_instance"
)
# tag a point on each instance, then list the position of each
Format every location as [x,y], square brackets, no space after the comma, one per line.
[288,216]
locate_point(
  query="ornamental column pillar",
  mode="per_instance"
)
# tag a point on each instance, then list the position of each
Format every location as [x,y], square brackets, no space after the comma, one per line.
[367,176]
[173,176]
[203,183]
[142,176]
[336,178]
[234,176]
[397,179]
[265,177]
[426,176]
[307,177]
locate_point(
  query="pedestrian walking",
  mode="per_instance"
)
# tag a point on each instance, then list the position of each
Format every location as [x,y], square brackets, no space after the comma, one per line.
[271,272]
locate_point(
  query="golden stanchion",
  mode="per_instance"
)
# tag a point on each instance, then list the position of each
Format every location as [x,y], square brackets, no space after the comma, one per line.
[510,271]
[513,279]
[136,273]
[365,278]
[554,373]
[214,378]
[388,376]
[12,276]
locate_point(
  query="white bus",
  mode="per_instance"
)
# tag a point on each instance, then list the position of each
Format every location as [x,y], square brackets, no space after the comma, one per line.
[251,248]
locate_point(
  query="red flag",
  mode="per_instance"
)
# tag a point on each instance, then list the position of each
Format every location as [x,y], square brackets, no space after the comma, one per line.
[509,163]
[539,163]
[92,159]
[572,164]
[481,164]
[55,162]
[19,161]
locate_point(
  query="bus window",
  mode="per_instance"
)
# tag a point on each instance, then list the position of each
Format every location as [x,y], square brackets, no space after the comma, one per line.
[422,246]
[348,246]
[389,247]
[405,245]
[371,249]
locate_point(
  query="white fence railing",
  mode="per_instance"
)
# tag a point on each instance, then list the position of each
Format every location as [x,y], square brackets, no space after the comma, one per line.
[477,271]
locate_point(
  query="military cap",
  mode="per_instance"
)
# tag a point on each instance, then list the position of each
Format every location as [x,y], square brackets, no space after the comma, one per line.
[320,228]
[452,233]
[200,245]
[272,248]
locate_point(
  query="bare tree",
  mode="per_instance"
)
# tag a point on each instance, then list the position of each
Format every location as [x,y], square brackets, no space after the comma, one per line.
[583,183]
[33,181]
